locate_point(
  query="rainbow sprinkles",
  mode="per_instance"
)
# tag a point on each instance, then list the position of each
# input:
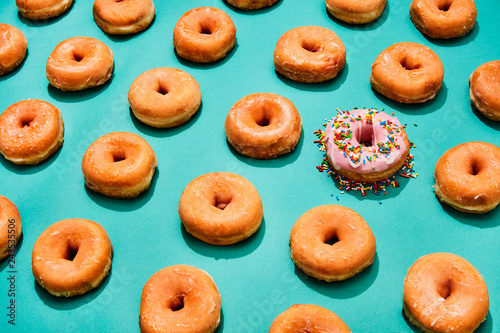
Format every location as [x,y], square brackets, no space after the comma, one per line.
[359,147]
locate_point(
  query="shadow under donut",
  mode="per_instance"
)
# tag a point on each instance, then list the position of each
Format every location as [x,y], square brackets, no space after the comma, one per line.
[124,205]
[348,288]
[325,86]
[164,132]
[238,250]
[73,302]
[490,219]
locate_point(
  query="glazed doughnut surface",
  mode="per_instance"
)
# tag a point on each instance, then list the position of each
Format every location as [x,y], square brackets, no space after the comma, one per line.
[42,9]
[263,125]
[308,318]
[332,243]
[221,208]
[119,165]
[484,89]
[407,73]
[251,4]
[309,54]
[204,34]
[467,177]
[180,299]
[79,63]
[445,293]
[164,97]
[30,131]
[71,257]
[443,18]
[13,46]
[9,220]
[123,16]
[366,145]
[356,11]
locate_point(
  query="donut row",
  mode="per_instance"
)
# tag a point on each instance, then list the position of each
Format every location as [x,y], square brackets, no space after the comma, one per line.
[442,291]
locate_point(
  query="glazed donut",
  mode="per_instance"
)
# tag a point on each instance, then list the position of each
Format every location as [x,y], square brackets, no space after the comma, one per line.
[30,131]
[484,88]
[366,145]
[10,228]
[356,12]
[443,18]
[123,17]
[332,243]
[221,208]
[180,299]
[119,165]
[71,257]
[407,73]
[309,54]
[263,126]
[164,97]
[204,34]
[251,4]
[467,177]
[42,9]
[79,63]
[13,46]
[445,293]
[308,318]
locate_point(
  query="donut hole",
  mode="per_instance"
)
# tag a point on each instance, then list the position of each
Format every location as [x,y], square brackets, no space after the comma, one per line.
[263,116]
[331,238]
[71,252]
[410,64]
[445,289]
[26,121]
[176,303]
[311,46]
[366,136]
[118,155]
[221,200]
[205,28]
[77,56]
[474,168]
[162,90]
[444,6]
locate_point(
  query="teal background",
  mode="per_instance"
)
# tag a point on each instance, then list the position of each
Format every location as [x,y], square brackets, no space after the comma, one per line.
[256,278]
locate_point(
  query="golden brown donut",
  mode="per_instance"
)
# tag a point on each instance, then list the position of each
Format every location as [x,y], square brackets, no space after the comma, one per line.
[180,299]
[30,131]
[309,54]
[467,177]
[444,293]
[407,73]
[308,318]
[42,9]
[119,165]
[356,11]
[71,257]
[332,243]
[79,63]
[484,88]
[204,34]
[263,126]
[13,46]
[221,208]
[10,228]
[251,4]
[443,18]
[121,17]
[164,97]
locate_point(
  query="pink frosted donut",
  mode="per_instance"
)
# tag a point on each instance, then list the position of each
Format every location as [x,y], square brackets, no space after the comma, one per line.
[366,145]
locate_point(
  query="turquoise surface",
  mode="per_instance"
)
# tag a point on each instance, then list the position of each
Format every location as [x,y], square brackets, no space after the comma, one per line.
[256,278]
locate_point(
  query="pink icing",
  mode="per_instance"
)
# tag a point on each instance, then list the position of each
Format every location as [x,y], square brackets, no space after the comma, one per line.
[381,135]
